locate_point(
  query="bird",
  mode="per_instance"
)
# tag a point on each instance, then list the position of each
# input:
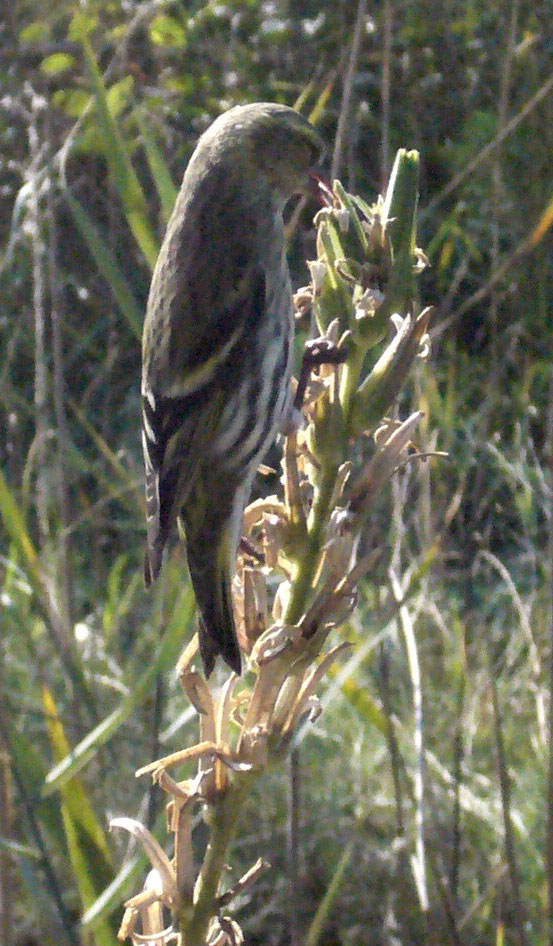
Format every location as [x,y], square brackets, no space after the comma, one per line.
[217,350]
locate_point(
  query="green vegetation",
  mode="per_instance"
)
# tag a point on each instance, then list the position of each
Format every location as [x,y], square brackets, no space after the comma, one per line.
[419,796]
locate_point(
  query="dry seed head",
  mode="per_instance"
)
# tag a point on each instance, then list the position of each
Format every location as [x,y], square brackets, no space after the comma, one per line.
[339,548]
[343,218]
[421,260]
[303,301]
[245,881]
[275,533]
[254,513]
[368,304]
[255,606]
[281,601]
[318,270]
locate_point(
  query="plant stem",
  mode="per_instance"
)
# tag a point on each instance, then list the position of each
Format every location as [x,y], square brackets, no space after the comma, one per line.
[350,383]
[223,815]
[306,567]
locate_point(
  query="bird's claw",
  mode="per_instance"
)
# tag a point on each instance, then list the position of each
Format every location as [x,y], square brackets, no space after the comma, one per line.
[317,351]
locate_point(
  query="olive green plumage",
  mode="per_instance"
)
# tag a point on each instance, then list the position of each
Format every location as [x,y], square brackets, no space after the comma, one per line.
[217,348]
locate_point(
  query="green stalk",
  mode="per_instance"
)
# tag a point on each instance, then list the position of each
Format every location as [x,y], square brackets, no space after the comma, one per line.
[350,383]
[223,816]
[306,566]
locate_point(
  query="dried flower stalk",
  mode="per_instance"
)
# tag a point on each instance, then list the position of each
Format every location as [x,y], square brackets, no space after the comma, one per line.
[361,291]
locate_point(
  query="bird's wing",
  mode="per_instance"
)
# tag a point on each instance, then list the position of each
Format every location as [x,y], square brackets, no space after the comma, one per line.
[180,418]
[172,432]
[206,279]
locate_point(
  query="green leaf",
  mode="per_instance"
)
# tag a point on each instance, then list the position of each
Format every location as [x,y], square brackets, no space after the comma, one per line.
[119,95]
[543,225]
[400,204]
[72,102]
[184,84]
[14,523]
[117,891]
[35,32]
[82,25]
[123,174]
[57,62]
[112,458]
[399,218]
[365,705]
[321,103]
[167,31]
[159,168]
[19,850]
[107,265]
[385,380]
[31,768]
[120,595]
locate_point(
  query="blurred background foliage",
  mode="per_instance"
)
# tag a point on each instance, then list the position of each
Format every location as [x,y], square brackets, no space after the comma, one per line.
[435,789]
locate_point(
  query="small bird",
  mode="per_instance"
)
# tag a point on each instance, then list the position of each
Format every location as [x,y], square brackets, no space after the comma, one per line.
[217,348]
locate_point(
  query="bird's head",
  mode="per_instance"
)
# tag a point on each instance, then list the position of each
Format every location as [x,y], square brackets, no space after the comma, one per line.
[271,142]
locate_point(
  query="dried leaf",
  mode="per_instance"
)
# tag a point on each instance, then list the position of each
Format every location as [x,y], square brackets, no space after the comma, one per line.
[222,710]
[222,717]
[233,762]
[156,855]
[274,536]
[274,642]
[273,656]
[318,270]
[184,854]
[255,606]
[182,791]
[225,932]
[255,511]
[153,931]
[246,881]
[292,491]
[382,464]
[197,691]
[286,699]
[309,686]
[201,750]
[281,601]
[187,655]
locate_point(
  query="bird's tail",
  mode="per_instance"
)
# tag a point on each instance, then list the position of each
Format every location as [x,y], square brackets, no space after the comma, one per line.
[210,550]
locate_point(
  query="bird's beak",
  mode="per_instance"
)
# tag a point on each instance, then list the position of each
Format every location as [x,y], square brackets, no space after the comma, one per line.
[319,188]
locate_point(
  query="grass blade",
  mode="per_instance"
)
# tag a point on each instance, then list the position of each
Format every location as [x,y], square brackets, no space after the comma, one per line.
[86,842]
[320,919]
[107,266]
[124,176]
[167,652]
[167,192]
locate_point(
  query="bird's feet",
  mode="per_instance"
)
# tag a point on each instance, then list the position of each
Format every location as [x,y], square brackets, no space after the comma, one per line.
[318,351]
